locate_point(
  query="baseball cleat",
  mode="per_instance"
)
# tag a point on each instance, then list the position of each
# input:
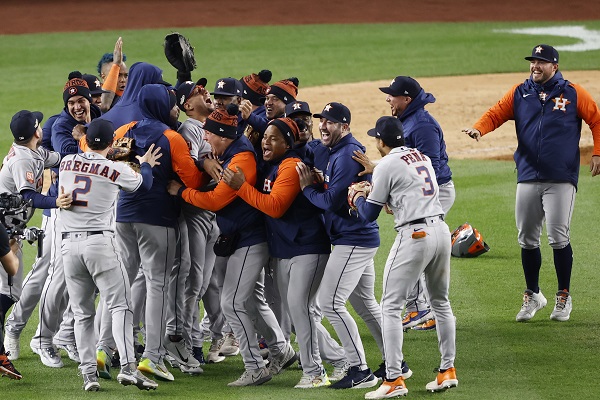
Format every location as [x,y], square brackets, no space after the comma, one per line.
[12,346]
[103,362]
[356,379]
[157,369]
[130,376]
[8,369]
[339,372]
[425,326]
[71,350]
[313,381]
[415,318]
[90,382]
[50,357]
[252,377]
[198,354]
[230,346]
[444,380]
[283,360]
[562,307]
[213,356]
[179,353]
[389,389]
[532,302]
[380,373]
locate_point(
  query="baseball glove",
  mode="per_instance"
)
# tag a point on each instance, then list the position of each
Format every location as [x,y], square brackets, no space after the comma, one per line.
[357,189]
[134,166]
[120,149]
[179,52]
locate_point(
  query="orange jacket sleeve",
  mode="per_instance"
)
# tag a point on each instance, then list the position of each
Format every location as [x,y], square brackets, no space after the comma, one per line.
[587,110]
[181,160]
[283,193]
[222,194]
[110,83]
[119,133]
[497,115]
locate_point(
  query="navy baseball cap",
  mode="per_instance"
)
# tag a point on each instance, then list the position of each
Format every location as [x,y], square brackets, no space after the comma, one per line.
[336,112]
[94,84]
[185,90]
[403,86]
[100,131]
[544,52]
[389,130]
[24,124]
[228,87]
[297,108]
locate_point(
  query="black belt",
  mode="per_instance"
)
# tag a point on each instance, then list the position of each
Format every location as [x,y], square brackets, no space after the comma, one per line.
[424,220]
[67,235]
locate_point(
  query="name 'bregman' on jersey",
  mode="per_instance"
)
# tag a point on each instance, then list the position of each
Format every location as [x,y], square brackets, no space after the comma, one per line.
[405,180]
[94,183]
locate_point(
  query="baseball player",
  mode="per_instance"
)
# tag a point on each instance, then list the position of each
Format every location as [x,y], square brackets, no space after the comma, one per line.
[9,248]
[243,243]
[547,110]
[296,237]
[255,88]
[350,269]
[114,74]
[89,248]
[405,180]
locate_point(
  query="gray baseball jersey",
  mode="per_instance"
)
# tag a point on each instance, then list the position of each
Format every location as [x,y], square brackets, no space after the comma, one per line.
[405,180]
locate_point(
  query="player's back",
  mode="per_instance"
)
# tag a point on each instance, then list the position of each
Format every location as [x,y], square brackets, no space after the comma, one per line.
[94,183]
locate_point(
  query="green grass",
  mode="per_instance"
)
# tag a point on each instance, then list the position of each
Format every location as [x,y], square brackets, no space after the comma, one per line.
[497,358]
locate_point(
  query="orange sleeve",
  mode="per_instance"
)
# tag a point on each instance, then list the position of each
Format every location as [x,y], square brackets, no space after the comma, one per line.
[119,133]
[181,160]
[283,193]
[497,115]
[587,109]
[110,83]
[222,194]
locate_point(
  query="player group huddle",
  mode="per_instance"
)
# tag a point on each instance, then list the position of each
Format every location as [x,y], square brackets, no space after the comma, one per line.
[238,207]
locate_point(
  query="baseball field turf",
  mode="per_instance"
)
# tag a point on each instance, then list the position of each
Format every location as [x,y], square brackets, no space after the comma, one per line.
[497,358]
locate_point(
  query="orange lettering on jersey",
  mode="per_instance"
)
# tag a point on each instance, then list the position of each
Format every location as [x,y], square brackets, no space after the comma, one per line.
[114,175]
[267,186]
[104,172]
[29,177]
[10,154]
[77,166]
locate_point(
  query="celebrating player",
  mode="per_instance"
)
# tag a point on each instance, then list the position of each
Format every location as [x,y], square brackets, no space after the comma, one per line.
[547,110]
[405,180]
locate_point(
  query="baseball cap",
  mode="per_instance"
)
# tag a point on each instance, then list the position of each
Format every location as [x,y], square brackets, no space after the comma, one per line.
[255,86]
[297,108]
[93,84]
[24,124]
[223,123]
[336,112]
[228,87]
[185,90]
[76,86]
[544,52]
[389,130]
[100,131]
[402,86]
[286,90]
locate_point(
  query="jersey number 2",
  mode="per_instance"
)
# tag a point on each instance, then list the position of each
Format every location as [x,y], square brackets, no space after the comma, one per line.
[428,189]
[87,184]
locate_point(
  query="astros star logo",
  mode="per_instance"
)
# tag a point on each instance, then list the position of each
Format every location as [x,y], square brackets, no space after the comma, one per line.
[221,84]
[297,106]
[538,49]
[328,107]
[72,90]
[97,82]
[393,81]
[560,103]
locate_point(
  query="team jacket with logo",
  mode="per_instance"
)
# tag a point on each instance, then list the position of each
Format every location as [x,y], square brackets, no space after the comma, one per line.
[156,206]
[233,213]
[548,132]
[422,132]
[341,171]
[294,225]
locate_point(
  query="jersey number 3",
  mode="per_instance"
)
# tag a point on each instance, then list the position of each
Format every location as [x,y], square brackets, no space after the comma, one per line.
[428,190]
[87,184]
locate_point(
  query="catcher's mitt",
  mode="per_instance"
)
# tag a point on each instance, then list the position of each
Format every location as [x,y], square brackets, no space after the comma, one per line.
[357,189]
[120,150]
[179,52]
[134,166]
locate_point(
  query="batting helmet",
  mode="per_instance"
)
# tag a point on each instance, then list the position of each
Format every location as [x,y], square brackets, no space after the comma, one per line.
[468,242]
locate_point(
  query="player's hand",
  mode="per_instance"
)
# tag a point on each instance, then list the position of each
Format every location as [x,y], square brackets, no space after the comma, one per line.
[213,167]
[595,165]
[473,133]
[234,179]
[318,176]
[15,247]
[305,175]
[387,209]
[173,187]
[64,200]
[118,52]
[151,156]
[245,109]
[362,159]
[78,132]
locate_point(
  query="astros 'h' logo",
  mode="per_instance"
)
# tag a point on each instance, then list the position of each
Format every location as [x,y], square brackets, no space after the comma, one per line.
[560,103]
